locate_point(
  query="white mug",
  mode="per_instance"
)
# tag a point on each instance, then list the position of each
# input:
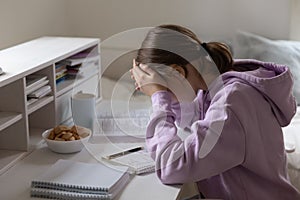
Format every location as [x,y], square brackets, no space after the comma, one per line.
[84,109]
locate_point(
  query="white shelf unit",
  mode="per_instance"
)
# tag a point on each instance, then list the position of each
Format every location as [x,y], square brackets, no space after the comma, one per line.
[21,125]
[8,118]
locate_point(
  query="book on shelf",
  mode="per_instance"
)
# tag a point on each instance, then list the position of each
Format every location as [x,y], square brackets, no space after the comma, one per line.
[34,81]
[31,101]
[41,92]
[1,71]
[60,80]
[74,70]
[36,87]
[77,61]
[60,69]
[61,74]
[68,179]
[60,65]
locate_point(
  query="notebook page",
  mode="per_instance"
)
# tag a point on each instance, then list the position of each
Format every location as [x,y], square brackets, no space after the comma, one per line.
[132,123]
[140,162]
[94,176]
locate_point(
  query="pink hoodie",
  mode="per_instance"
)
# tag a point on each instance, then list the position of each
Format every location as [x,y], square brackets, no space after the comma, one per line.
[235,149]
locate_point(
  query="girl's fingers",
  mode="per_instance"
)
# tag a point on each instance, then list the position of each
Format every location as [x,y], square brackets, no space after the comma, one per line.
[134,73]
[132,77]
[136,86]
[138,71]
[147,69]
[131,74]
[134,63]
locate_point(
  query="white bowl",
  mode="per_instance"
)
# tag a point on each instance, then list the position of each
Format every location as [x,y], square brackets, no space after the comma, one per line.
[65,146]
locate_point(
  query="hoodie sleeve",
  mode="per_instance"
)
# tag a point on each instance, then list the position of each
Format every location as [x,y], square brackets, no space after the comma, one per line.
[216,143]
[191,113]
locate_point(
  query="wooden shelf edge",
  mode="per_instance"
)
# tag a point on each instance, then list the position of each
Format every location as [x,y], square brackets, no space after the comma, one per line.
[8,118]
[40,103]
[8,159]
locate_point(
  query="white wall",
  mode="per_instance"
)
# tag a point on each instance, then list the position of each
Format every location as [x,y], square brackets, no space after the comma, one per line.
[208,18]
[22,20]
[295,20]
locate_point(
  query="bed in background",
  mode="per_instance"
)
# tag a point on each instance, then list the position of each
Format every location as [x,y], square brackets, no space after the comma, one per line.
[243,45]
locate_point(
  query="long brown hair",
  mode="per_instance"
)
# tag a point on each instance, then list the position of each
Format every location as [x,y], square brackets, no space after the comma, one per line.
[173,44]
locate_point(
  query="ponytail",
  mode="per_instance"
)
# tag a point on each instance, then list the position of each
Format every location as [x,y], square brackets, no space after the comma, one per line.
[220,54]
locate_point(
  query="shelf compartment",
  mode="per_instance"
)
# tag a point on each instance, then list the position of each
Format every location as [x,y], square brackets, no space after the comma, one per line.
[8,118]
[69,83]
[39,104]
[63,109]
[8,158]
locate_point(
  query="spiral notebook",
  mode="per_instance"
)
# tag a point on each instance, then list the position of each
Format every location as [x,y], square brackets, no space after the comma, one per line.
[76,180]
[139,162]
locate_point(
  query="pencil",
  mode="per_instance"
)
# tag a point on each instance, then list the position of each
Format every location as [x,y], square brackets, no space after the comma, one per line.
[122,153]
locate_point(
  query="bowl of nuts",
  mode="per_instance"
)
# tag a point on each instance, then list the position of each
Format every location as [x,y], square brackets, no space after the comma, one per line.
[64,139]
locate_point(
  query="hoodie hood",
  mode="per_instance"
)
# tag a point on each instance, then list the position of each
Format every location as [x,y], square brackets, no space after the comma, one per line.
[273,81]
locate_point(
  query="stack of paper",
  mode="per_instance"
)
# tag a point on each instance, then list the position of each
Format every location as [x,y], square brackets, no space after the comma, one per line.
[41,92]
[76,180]
[34,82]
[36,87]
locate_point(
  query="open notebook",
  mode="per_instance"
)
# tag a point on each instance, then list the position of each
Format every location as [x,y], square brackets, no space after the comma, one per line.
[76,180]
[139,162]
[123,127]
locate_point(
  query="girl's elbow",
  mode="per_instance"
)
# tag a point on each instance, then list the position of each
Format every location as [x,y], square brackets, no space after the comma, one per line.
[171,176]
[168,179]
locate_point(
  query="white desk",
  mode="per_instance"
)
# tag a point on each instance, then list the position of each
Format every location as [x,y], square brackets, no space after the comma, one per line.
[15,183]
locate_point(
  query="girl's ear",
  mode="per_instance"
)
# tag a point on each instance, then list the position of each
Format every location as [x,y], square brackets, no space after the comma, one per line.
[179,69]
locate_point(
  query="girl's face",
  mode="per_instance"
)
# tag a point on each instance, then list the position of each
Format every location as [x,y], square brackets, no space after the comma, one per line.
[195,79]
[191,75]
[184,83]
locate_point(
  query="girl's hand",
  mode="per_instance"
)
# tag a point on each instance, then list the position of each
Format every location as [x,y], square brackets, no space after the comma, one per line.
[147,80]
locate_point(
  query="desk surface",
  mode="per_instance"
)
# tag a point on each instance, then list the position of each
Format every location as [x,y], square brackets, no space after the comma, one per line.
[15,183]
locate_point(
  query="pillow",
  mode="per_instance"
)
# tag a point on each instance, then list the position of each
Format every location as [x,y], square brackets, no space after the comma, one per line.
[249,45]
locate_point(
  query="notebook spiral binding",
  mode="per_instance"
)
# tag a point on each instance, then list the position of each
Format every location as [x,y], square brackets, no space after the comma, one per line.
[69,188]
[54,194]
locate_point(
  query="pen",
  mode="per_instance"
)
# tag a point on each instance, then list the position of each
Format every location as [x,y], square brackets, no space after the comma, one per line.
[124,152]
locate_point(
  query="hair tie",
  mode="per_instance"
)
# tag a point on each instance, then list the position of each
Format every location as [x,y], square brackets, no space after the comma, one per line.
[204,45]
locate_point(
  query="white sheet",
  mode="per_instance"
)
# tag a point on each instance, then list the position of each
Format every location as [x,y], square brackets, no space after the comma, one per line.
[291,135]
